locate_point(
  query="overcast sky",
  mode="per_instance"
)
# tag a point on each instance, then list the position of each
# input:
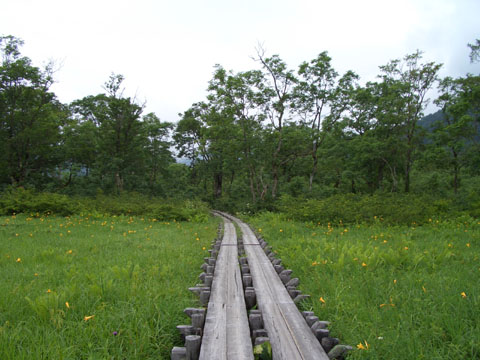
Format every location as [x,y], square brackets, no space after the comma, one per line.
[167,49]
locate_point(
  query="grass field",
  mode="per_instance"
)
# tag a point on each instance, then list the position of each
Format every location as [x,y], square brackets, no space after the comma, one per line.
[390,292]
[96,288]
[115,287]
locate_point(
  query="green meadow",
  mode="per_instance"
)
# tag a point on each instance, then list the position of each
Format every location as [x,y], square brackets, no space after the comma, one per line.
[392,292]
[86,287]
[114,287]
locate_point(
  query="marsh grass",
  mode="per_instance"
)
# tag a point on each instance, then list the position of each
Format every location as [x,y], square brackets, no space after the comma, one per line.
[403,292]
[86,287]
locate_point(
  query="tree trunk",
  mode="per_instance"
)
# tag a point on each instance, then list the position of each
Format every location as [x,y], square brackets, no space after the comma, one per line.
[217,185]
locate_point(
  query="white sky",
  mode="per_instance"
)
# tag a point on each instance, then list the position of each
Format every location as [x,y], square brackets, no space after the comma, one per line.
[167,49]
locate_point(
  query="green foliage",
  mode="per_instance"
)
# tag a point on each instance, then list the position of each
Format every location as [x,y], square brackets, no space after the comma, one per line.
[96,287]
[19,200]
[411,291]
[350,208]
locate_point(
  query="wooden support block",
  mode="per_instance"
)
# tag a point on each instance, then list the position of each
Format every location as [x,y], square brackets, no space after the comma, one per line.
[198,289]
[259,333]
[285,275]
[267,250]
[193,343]
[293,282]
[321,333]
[328,343]
[204,266]
[278,268]
[198,320]
[212,261]
[271,256]
[206,259]
[185,330]
[260,340]
[245,269]
[202,277]
[311,320]
[204,297]
[243,261]
[300,297]
[263,245]
[250,298]
[307,313]
[210,269]
[208,280]
[178,353]
[247,280]
[255,321]
[276,261]
[190,311]
[293,292]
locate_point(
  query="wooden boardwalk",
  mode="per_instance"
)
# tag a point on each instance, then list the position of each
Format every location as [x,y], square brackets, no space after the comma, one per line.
[226,331]
[289,334]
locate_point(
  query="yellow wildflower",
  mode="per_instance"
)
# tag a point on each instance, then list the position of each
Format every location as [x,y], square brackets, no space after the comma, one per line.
[86,318]
[360,346]
[19,260]
[67,305]
[363,264]
[463,294]
[322,300]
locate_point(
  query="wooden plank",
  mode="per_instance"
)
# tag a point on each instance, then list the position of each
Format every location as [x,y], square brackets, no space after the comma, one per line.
[226,331]
[289,334]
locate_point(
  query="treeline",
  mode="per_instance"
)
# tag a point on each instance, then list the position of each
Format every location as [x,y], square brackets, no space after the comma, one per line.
[258,135]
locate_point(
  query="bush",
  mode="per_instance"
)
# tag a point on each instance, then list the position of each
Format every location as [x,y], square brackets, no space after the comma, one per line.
[26,201]
[350,208]
[20,200]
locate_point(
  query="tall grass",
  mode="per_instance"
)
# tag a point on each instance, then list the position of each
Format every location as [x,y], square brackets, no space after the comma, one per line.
[87,287]
[393,292]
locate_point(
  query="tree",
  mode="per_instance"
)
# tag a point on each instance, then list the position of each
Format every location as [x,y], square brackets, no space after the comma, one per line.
[119,134]
[30,117]
[277,94]
[240,96]
[158,156]
[313,95]
[409,81]
[475,51]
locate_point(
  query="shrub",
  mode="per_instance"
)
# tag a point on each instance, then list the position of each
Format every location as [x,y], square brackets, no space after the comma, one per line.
[350,208]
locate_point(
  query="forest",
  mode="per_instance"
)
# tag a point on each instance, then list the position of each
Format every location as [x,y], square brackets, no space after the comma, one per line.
[302,140]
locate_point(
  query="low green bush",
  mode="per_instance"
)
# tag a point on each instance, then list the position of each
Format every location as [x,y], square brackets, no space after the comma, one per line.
[20,200]
[351,208]
[15,201]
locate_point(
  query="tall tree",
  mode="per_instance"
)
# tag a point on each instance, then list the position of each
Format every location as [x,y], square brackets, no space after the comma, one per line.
[410,80]
[119,130]
[30,117]
[277,102]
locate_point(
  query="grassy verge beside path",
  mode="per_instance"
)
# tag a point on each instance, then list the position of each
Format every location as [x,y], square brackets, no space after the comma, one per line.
[87,287]
[393,292]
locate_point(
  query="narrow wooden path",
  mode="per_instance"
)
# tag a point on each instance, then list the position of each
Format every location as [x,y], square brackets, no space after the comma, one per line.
[226,332]
[228,329]
[289,334]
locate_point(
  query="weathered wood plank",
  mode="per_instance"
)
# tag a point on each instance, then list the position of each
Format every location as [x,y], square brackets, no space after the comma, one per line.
[226,331]
[289,334]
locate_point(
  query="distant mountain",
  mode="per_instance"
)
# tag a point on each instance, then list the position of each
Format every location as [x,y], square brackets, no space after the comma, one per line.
[427,121]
